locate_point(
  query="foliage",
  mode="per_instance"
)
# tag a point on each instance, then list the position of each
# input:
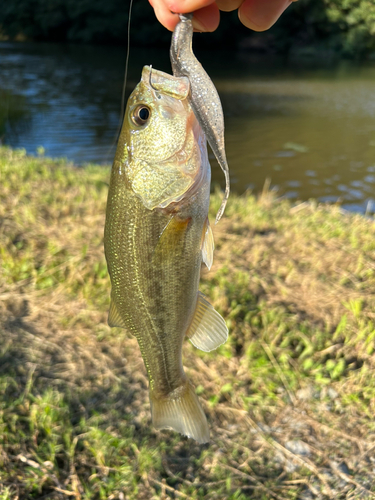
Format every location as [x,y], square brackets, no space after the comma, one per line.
[88,21]
[290,396]
[344,26]
[354,22]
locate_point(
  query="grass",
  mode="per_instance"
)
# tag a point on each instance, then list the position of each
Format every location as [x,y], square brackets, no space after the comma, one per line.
[290,397]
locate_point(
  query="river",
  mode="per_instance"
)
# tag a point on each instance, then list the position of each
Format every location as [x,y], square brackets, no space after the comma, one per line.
[308,126]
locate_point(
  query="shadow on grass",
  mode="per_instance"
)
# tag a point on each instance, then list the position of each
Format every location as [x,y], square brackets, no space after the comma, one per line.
[71,411]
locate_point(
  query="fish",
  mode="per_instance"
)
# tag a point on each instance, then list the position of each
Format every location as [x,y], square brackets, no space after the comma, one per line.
[157,233]
[156,236]
[203,97]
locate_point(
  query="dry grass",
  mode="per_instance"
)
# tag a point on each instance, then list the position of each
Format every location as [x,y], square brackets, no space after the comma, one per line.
[290,397]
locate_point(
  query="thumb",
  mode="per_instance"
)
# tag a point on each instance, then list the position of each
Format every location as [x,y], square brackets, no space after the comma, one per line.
[259,15]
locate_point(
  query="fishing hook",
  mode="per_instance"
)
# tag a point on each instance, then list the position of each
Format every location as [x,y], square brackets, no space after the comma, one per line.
[150,79]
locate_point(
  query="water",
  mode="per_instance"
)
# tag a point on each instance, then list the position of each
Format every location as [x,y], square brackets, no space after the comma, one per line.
[309,128]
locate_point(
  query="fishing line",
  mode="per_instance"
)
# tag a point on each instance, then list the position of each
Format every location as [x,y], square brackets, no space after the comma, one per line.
[126,68]
[122,112]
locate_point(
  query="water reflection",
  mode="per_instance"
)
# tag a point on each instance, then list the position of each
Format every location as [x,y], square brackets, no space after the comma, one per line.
[310,129]
[307,133]
[14,114]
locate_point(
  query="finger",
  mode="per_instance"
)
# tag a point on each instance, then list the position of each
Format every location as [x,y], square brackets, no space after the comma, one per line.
[206,19]
[185,6]
[228,5]
[259,15]
[164,15]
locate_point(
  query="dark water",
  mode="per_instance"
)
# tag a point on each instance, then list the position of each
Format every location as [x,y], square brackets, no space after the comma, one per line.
[309,127]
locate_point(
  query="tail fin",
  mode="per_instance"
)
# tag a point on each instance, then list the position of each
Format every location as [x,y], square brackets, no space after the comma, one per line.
[182,412]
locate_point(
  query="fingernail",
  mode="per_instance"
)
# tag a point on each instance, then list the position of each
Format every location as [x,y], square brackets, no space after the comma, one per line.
[260,19]
[198,26]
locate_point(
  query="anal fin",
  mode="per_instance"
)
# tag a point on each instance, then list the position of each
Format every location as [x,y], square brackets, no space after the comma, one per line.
[208,329]
[114,318]
[208,245]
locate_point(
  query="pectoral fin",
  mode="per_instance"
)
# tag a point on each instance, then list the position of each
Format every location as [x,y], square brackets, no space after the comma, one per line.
[208,245]
[114,318]
[171,241]
[208,329]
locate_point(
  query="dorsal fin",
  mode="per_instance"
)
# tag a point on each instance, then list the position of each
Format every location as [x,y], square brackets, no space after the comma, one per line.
[208,329]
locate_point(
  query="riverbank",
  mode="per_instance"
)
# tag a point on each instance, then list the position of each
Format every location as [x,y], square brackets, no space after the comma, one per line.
[290,397]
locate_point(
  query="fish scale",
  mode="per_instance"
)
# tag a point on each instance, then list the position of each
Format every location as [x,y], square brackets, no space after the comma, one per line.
[148,287]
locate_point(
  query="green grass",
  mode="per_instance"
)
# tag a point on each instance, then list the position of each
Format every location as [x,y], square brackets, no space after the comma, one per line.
[290,397]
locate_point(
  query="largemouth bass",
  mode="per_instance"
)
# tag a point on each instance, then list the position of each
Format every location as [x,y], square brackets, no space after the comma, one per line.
[156,236]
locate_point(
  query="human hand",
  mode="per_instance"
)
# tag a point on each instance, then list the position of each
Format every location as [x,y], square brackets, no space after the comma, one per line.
[258,15]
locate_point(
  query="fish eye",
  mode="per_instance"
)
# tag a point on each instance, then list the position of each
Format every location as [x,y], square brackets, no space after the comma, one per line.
[141,114]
